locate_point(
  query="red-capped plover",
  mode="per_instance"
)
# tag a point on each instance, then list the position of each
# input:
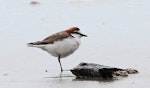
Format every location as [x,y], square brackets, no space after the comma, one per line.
[60,44]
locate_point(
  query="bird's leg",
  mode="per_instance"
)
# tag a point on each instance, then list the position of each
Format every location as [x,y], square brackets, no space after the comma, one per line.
[60,63]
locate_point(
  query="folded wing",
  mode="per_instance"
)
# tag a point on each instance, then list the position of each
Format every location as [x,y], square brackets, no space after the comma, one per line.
[52,38]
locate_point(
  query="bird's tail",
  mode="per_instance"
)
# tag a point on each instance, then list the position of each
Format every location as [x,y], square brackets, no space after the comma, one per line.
[35,44]
[30,44]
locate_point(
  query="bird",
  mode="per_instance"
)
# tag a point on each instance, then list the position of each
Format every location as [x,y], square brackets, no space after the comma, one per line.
[60,44]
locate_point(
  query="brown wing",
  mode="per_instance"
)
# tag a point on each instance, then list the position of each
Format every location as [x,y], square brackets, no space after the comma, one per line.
[52,38]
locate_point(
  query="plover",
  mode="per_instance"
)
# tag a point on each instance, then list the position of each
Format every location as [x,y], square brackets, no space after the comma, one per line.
[60,44]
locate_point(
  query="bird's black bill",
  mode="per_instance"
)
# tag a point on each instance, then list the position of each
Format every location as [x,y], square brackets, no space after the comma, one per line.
[84,35]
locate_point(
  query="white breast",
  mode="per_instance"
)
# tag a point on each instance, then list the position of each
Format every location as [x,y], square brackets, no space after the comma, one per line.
[63,48]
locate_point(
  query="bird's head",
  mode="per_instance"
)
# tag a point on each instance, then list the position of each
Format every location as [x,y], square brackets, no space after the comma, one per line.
[75,32]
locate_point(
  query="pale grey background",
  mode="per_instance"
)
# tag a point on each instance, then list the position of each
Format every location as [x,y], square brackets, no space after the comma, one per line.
[118,35]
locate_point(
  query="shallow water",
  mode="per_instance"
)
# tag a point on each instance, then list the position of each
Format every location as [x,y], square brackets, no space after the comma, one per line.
[118,36]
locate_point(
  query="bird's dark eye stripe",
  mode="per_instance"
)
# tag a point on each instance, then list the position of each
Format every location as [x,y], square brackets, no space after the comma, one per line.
[78,33]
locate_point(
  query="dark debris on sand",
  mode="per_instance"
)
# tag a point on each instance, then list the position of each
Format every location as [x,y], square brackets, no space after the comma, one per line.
[34,3]
[91,70]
